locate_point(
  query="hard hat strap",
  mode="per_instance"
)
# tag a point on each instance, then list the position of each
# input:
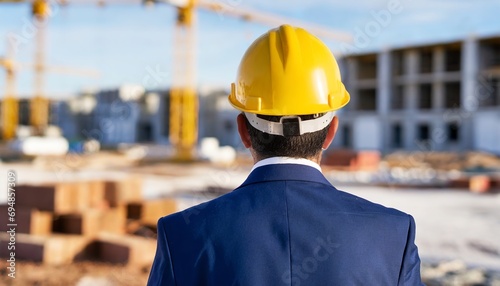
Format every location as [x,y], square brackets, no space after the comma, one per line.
[290,125]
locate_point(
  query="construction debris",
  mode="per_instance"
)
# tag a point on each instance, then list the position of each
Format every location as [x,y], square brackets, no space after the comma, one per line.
[456,272]
[444,161]
[474,171]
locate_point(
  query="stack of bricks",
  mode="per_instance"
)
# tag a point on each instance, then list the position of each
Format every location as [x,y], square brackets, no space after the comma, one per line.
[89,220]
[485,183]
[350,160]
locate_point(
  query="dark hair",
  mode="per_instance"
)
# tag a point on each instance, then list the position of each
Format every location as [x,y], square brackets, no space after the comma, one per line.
[267,145]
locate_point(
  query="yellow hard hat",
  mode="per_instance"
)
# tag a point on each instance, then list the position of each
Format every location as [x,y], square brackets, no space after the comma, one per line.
[40,8]
[288,71]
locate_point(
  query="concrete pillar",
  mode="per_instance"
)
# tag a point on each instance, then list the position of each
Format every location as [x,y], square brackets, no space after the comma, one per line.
[411,63]
[409,134]
[383,82]
[468,98]
[438,133]
[438,85]
[470,67]
[383,96]
[352,70]
[439,60]
[411,94]
[438,95]
[411,91]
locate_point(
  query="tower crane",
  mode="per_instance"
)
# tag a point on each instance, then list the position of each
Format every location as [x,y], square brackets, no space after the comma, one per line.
[10,108]
[183,123]
[39,105]
[183,99]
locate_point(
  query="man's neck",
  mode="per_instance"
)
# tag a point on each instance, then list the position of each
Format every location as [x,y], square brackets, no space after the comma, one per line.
[286,160]
[316,159]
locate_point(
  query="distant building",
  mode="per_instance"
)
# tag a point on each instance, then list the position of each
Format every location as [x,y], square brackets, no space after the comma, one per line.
[443,96]
[218,118]
[153,125]
[128,114]
[434,97]
[61,115]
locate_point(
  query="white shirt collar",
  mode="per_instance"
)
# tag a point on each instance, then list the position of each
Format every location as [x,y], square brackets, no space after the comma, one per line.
[286,160]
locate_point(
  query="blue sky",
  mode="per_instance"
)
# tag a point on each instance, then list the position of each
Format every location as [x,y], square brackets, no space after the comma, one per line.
[129,43]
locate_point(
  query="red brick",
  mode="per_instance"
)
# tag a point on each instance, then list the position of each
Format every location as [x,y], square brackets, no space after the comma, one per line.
[62,197]
[495,183]
[367,161]
[91,195]
[92,221]
[148,212]
[28,220]
[479,184]
[52,250]
[353,160]
[121,192]
[126,249]
[59,198]
[459,183]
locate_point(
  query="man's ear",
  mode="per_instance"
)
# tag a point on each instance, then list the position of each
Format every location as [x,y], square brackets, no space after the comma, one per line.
[243,131]
[332,130]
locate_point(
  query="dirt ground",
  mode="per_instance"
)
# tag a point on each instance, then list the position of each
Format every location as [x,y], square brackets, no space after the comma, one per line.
[78,274]
[101,274]
[451,224]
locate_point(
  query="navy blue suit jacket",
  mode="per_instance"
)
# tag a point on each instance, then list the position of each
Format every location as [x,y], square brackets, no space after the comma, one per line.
[286,225]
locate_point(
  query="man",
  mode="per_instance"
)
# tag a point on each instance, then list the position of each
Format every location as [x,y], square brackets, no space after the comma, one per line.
[286,224]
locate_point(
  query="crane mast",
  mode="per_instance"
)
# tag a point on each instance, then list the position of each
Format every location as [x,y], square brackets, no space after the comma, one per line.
[39,106]
[183,118]
[10,107]
[183,125]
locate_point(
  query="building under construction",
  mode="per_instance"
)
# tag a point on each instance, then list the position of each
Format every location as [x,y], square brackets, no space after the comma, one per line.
[434,97]
[441,96]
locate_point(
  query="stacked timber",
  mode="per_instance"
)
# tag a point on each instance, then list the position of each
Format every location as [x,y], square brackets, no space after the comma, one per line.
[62,222]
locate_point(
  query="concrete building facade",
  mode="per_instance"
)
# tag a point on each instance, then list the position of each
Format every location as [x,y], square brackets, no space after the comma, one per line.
[128,114]
[435,97]
[116,116]
[218,118]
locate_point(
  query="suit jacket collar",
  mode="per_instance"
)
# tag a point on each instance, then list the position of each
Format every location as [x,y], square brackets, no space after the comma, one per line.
[285,172]
[286,160]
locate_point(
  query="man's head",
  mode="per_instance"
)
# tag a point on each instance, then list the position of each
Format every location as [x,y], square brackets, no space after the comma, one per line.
[264,145]
[288,87]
